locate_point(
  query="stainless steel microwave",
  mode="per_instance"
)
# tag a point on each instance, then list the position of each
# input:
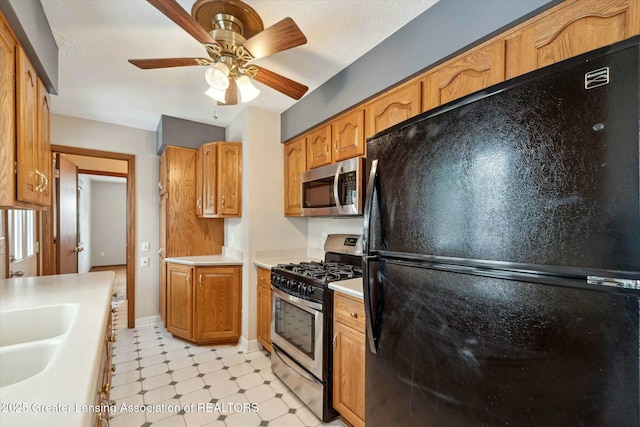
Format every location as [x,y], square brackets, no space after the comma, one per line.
[334,190]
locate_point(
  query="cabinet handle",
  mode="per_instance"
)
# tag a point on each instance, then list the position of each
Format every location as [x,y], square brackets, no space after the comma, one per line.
[223,200]
[199,203]
[160,251]
[354,315]
[40,181]
[186,280]
[113,368]
[112,338]
[115,294]
[335,145]
[335,341]
[160,186]
[46,183]
[200,280]
[105,389]
[326,148]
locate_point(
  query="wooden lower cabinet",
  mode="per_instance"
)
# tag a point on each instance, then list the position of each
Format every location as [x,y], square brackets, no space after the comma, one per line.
[264,308]
[107,368]
[349,358]
[204,303]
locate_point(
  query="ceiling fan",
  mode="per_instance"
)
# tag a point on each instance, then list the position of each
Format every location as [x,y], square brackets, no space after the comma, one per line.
[233,35]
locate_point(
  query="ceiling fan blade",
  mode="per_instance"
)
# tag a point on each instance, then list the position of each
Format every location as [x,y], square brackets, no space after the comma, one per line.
[147,64]
[172,10]
[231,95]
[280,83]
[278,37]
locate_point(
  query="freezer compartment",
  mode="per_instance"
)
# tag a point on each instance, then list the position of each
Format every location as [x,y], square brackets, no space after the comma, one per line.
[539,170]
[460,349]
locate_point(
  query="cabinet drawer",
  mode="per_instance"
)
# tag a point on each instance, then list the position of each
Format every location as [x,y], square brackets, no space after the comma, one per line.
[349,311]
[264,277]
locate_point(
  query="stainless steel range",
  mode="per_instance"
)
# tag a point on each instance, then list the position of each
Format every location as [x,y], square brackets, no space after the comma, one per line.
[301,321]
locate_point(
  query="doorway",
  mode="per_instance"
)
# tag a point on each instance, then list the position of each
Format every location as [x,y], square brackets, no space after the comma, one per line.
[48,240]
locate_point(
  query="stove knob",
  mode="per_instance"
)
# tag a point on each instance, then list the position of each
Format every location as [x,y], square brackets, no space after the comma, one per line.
[303,289]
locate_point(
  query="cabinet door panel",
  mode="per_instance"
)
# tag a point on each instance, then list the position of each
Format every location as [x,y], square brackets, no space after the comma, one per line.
[179,299]
[44,145]
[7,115]
[349,373]
[294,165]
[319,147]
[467,74]
[217,303]
[209,180]
[230,179]
[575,29]
[348,136]
[29,178]
[393,108]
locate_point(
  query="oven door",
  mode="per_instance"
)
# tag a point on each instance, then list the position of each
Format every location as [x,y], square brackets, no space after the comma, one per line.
[297,328]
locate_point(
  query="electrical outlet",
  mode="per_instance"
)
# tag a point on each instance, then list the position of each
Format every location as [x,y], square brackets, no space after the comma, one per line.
[144,261]
[145,247]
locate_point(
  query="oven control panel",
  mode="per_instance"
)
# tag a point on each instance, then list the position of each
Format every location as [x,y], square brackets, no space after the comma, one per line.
[292,285]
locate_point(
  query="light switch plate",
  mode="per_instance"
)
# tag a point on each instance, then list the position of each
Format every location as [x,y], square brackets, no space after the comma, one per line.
[145,247]
[144,261]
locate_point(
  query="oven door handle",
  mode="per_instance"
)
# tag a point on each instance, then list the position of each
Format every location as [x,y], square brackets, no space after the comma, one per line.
[302,303]
[336,180]
[284,359]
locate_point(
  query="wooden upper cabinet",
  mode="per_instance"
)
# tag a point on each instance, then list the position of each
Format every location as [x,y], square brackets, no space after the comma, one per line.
[219,180]
[294,165]
[162,171]
[466,74]
[28,175]
[393,108]
[347,132]
[44,145]
[7,115]
[319,147]
[569,31]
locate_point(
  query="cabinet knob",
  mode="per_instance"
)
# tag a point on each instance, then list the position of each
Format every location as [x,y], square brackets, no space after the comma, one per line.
[354,315]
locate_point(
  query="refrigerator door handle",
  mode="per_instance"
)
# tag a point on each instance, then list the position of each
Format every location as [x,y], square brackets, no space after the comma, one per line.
[372,337]
[371,184]
[368,260]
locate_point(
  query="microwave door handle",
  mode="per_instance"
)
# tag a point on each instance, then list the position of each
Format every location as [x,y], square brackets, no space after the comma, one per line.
[336,180]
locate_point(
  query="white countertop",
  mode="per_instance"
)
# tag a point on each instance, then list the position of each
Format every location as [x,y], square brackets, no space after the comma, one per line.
[205,260]
[351,287]
[70,380]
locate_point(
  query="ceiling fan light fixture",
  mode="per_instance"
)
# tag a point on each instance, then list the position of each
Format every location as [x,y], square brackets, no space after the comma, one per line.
[217,76]
[218,95]
[248,92]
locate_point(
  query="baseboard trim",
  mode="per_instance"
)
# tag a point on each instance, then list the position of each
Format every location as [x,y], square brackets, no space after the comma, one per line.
[148,321]
[249,346]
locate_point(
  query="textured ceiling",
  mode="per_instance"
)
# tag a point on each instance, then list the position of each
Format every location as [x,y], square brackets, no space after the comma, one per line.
[97,37]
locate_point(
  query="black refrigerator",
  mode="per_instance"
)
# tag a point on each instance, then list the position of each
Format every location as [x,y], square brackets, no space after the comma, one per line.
[502,254]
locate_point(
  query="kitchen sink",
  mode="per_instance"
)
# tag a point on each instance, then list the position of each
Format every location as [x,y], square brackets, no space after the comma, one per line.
[34,324]
[22,361]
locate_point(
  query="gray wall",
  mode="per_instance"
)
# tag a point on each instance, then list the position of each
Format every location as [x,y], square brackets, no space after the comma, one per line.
[185,133]
[27,17]
[108,223]
[447,27]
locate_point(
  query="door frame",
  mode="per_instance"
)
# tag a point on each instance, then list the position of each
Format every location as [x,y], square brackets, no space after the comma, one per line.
[131,217]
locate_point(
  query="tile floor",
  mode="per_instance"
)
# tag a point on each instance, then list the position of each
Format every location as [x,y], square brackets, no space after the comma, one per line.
[187,385]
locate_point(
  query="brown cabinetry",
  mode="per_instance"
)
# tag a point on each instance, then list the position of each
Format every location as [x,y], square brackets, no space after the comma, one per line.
[294,165]
[341,139]
[264,308]
[349,358]
[576,27]
[465,74]
[203,303]
[182,233]
[393,108]
[219,180]
[25,153]
[105,374]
